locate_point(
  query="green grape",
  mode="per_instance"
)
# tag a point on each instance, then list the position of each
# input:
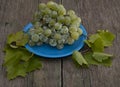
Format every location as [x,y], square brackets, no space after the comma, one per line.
[61,10]
[60,19]
[37,24]
[47,11]
[57,36]
[54,14]
[61,41]
[45,39]
[39,30]
[75,23]
[78,19]
[64,30]
[57,26]
[52,22]
[31,43]
[41,37]
[75,35]
[72,29]
[60,46]
[35,37]
[70,41]
[41,6]
[47,32]
[67,20]
[71,12]
[39,43]
[52,42]
[31,31]
[79,31]
[73,17]
[52,5]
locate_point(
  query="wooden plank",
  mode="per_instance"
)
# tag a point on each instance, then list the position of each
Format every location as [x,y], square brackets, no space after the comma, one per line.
[14,14]
[95,14]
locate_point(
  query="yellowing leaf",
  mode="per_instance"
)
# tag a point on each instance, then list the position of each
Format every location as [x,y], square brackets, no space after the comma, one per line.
[101,56]
[78,58]
[107,37]
[93,38]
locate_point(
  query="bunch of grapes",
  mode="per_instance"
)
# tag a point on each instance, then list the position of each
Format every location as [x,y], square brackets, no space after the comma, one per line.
[54,25]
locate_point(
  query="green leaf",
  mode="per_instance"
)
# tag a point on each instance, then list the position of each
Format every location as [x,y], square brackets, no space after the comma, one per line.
[19,39]
[78,58]
[93,38]
[19,61]
[107,37]
[33,64]
[98,46]
[101,56]
[88,43]
[91,61]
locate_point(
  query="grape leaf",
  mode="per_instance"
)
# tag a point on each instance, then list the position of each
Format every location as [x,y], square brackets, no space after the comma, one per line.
[91,61]
[78,58]
[107,37]
[98,46]
[88,43]
[101,56]
[20,39]
[93,38]
[19,61]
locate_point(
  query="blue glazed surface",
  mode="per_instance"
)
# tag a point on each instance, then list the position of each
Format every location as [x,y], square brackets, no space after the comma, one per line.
[47,51]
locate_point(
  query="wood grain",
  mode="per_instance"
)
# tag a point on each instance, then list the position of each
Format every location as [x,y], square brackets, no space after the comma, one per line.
[14,14]
[95,14]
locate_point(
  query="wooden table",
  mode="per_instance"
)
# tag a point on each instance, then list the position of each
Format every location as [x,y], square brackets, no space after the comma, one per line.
[95,14]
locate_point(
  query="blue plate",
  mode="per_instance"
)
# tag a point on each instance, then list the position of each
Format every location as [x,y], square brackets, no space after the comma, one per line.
[47,51]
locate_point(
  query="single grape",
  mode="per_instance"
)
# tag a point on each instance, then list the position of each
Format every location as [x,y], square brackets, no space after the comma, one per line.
[41,6]
[57,36]
[61,41]
[37,24]
[52,5]
[31,43]
[60,19]
[45,39]
[75,23]
[52,42]
[75,35]
[57,26]
[47,32]
[72,29]
[61,10]
[70,41]
[64,30]
[41,37]
[31,31]
[54,14]
[35,37]
[47,11]
[67,20]
[71,12]
[73,17]
[60,46]
[52,22]
[79,31]
[38,30]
